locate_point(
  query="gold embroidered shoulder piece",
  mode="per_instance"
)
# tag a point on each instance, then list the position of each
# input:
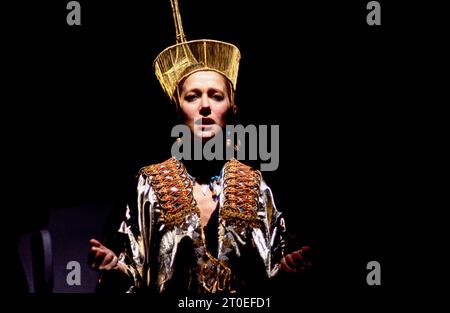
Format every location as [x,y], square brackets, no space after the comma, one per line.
[173,188]
[241,186]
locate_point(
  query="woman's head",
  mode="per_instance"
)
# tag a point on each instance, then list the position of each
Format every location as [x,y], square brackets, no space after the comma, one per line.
[206,102]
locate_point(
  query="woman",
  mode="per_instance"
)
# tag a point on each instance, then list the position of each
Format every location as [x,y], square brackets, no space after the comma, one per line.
[199,226]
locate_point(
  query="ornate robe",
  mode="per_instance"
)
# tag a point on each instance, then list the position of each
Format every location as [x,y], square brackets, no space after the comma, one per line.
[169,251]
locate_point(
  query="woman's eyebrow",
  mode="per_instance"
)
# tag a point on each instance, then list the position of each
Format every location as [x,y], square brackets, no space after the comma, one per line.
[195,89]
[216,90]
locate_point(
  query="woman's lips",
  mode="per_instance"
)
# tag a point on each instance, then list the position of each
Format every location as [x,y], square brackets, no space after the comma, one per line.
[205,122]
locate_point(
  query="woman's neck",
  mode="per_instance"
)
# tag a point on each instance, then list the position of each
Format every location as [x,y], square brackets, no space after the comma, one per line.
[203,170]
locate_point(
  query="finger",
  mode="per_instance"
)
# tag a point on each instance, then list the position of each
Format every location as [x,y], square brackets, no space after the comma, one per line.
[111,264]
[92,255]
[95,263]
[297,257]
[98,258]
[94,250]
[286,267]
[306,252]
[95,243]
[106,260]
[306,248]
[290,261]
[97,252]
[100,254]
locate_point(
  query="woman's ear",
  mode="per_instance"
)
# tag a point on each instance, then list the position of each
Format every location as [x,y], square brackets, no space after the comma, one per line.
[232,114]
[234,109]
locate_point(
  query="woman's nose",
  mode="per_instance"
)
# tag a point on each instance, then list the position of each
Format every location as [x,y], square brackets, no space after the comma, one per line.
[205,108]
[205,101]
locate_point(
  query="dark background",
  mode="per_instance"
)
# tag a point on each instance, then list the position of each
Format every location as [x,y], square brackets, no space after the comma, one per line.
[87,111]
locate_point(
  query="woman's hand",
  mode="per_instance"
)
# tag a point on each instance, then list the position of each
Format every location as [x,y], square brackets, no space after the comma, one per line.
[103,259]
[296,261]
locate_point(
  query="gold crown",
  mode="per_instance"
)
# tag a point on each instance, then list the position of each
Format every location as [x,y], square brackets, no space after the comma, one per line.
[177,62]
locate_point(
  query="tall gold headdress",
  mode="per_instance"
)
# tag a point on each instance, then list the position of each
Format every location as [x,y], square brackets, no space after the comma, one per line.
[177,62]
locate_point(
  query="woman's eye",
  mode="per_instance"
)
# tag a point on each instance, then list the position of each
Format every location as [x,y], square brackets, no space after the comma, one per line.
[218,97]
[190,98]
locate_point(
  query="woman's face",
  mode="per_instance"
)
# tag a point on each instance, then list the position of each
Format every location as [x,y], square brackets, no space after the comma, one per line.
[204,103]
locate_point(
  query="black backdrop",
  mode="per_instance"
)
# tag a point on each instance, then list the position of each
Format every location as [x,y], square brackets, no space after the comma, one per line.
[88,111]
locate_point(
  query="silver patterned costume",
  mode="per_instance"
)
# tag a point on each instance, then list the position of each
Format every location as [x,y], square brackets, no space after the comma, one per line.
[167,249]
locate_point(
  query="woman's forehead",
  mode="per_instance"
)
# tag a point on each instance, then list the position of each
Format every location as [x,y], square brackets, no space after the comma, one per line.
[202,79]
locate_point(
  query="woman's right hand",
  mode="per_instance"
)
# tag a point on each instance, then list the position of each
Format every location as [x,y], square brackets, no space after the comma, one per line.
[101,258]
[297,261]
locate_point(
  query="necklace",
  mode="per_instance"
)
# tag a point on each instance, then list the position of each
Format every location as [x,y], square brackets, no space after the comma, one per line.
[214,186]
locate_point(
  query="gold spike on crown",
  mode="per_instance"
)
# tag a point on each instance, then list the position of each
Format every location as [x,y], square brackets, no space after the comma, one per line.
[177,62]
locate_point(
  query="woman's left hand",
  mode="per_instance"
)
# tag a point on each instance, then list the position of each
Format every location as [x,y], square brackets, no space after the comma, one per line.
[297,261]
